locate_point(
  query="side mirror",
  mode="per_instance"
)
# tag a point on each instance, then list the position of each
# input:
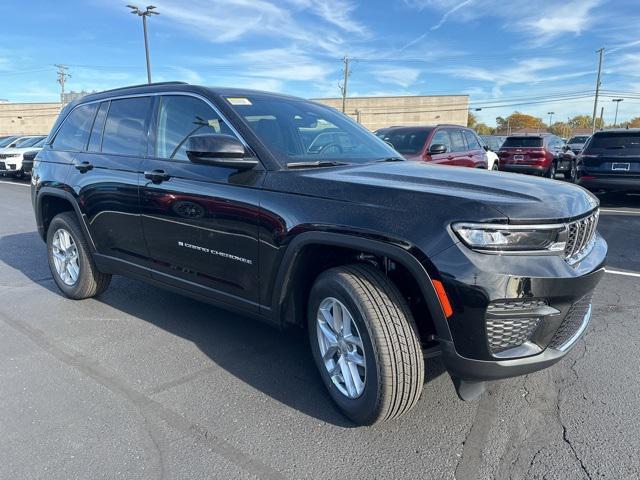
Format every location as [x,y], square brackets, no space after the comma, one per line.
[220,151]
[437,149]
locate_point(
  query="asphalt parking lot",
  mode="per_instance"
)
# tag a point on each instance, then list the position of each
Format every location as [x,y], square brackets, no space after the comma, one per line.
[142,383]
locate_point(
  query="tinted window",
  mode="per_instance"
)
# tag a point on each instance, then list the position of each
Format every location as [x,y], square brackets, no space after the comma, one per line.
[407,140]
[124,130]
[180,117]
[74,132]
[457,141]
[40,143]
[615,143]
[526,142]
[472,140]
[27,142]
[98,125]
[441,137]
[578,139]
[6,141]
[291,128]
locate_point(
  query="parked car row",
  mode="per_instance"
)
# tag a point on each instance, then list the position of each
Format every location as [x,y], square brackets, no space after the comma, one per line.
[14,150]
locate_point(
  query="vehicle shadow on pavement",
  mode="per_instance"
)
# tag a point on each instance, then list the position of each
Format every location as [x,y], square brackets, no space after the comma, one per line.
[274,362]
[620,230]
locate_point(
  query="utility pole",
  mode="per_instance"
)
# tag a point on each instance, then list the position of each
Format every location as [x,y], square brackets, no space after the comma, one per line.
[144,14]
[345,81]
[62,78]
[601,118]
[595,102]
[617,100]
[550,117]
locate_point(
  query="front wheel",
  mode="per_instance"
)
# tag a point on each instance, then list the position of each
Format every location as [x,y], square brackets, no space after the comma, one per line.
[365,344]
[572,174]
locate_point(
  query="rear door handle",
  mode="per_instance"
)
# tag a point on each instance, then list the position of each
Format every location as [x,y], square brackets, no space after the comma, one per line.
[157,176]
[84,166]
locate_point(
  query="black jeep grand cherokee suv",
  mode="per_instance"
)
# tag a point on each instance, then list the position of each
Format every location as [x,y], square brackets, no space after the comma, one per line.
[288,210]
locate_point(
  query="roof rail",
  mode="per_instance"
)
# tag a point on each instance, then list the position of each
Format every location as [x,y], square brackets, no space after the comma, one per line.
[143,85]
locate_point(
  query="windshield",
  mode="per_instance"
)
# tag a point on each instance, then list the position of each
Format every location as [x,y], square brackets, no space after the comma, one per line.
[301,131]
[6,141]
[406,140]
[582,139]
[27,142]
[624,141]
[40,143]
[526,142]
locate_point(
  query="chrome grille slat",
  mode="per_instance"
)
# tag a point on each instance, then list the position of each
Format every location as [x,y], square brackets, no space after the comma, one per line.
[580,234]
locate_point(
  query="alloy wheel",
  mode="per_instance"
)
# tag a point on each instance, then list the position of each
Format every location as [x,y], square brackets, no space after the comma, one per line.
[341,347]
[65,256]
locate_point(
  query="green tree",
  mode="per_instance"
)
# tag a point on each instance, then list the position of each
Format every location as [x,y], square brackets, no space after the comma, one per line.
[483,129]
[522,120]
[584,121]
[472,121]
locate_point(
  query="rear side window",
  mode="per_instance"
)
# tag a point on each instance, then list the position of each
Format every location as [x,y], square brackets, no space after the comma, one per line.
[125,130]
[472,140]
[457,141]
[74,132]
[98,125]
[179,118]
[407,140]
[525,142]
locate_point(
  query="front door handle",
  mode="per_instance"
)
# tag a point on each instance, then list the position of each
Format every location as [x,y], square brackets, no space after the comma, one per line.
[84,166]
[157,176]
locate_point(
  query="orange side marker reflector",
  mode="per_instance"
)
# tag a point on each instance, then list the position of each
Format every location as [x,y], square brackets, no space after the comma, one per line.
[442,296]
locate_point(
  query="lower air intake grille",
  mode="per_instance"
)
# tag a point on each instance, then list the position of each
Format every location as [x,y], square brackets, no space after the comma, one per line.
[572,322]
[510,332]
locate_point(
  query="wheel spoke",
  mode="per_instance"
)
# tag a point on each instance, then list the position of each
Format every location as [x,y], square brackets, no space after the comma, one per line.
[328,333]
[358,384]
[353,340]
[336,313]
[355,358]
[346,321]
[330,353]
[347,377]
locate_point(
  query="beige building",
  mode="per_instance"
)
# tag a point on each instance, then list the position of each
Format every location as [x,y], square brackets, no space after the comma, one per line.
[27,118]
[379,112]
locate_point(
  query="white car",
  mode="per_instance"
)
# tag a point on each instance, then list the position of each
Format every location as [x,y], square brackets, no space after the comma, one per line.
[11,156]
[492,160]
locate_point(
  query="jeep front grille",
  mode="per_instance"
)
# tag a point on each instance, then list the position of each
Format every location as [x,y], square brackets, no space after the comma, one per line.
[510,324]
[580,235]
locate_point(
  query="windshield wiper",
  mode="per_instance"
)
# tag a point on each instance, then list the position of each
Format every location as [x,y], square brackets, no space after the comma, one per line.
[391,159]
[315,163]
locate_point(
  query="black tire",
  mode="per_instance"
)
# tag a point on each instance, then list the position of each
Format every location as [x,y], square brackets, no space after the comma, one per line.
[572,174]
[495,167]
[90,281]
[551,173]
[394,374]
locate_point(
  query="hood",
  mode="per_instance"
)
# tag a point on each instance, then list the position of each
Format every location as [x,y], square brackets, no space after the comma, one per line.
[464,191]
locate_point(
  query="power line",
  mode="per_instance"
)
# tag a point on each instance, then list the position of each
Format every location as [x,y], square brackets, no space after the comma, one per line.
[62,76]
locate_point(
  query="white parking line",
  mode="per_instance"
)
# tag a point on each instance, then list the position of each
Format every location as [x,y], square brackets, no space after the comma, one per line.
[613,210]
[626,274]
[18,184]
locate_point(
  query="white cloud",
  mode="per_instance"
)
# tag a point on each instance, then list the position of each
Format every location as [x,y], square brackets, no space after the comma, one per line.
[401,76]
[335,12]
[450,12]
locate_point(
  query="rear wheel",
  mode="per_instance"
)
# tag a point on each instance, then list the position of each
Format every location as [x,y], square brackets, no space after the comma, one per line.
[365,344]
[551,173]
[70,260]
[494,166]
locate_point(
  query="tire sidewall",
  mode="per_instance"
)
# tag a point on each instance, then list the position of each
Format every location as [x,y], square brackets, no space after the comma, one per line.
[58,222]
[361,410]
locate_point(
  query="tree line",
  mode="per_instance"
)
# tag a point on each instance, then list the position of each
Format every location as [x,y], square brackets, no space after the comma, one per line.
[519,120]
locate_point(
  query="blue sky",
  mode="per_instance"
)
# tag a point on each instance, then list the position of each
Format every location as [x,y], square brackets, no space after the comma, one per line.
[494,50]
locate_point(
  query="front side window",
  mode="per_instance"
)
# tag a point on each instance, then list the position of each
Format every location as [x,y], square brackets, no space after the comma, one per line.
[441,137]
[407,140]
[124,130]
[301,131]
[179,118]
[74,132]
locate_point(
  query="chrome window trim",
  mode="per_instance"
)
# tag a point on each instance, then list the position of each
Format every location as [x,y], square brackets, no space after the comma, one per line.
[153,94]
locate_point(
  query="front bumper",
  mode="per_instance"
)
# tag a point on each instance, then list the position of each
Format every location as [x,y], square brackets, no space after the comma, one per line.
[481,280]
[10,165]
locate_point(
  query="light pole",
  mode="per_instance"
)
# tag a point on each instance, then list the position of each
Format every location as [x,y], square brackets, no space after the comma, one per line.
[144,14]
[617,100]
[550,117]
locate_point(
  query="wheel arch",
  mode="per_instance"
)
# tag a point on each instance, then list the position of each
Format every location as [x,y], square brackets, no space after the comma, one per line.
[52,201]
[283,305]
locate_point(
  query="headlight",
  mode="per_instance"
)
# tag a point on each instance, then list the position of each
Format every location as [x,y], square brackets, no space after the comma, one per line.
[496,238]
